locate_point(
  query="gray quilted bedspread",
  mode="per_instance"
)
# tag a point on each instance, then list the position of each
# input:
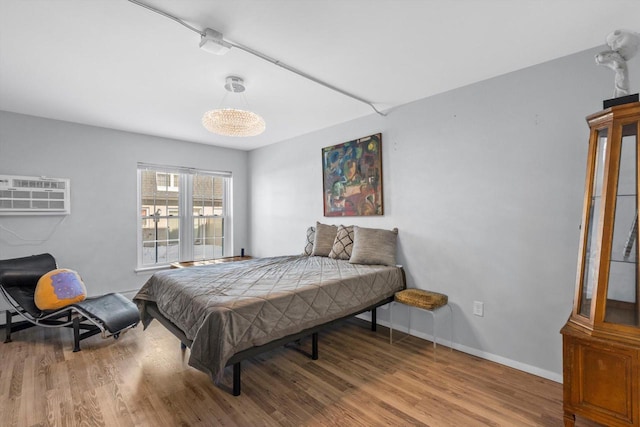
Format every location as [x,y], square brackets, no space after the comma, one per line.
[230,307]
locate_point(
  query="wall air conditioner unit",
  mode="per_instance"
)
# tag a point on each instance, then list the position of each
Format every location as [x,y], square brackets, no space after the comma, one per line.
[32,195]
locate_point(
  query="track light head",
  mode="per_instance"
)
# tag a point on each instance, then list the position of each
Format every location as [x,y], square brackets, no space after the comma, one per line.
[211,41]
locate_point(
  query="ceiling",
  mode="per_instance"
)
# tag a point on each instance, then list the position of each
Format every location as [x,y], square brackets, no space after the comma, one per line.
[114,64]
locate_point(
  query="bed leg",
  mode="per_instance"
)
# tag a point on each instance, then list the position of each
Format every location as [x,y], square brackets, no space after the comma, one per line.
[314,346]
[374,322]
[236,379]
[7,335]
[76,334]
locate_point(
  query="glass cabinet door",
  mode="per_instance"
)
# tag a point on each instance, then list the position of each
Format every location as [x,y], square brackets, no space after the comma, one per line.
[621,305]
[592,248]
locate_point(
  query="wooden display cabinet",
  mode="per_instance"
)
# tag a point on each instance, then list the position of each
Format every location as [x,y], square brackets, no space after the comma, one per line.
[601,340]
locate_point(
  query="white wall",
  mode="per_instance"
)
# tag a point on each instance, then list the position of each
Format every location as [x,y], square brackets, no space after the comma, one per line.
[485,184]
[98,239]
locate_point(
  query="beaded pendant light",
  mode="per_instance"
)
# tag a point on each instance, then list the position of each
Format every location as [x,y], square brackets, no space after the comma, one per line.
[232,121]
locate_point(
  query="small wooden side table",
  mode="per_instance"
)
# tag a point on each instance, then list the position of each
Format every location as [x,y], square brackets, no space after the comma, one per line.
[185,264]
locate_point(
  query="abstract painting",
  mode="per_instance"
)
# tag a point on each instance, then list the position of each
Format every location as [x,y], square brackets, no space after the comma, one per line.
[352,177]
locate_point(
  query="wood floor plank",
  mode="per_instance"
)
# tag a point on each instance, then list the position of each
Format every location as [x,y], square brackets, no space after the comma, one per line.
[143,379]
[328,390]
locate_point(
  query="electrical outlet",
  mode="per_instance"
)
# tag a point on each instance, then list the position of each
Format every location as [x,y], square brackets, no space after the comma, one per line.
[478,308]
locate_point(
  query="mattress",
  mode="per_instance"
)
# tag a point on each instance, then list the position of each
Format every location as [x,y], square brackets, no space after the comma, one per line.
[227,308]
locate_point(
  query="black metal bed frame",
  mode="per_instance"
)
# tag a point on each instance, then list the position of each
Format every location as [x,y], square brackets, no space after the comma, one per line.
[236,359]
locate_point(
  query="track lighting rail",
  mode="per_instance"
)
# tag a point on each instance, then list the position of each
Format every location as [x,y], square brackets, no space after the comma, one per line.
[264,57]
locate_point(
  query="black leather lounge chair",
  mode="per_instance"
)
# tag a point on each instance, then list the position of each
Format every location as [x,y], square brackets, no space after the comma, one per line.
[110,314]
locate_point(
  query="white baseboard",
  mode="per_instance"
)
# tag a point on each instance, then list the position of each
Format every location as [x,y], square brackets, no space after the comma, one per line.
[530,369]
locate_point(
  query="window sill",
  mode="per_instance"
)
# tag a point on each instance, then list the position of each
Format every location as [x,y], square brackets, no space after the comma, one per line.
[152,269]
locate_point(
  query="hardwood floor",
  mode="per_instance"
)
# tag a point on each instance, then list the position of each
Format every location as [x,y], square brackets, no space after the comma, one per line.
[143,379]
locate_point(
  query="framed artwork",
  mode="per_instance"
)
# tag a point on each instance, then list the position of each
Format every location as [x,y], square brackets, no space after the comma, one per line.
[352,177]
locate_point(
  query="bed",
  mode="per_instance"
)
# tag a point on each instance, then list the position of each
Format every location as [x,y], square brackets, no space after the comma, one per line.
[228,312]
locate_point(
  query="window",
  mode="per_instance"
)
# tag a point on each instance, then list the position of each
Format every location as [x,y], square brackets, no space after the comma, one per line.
[167,181]
[184,215]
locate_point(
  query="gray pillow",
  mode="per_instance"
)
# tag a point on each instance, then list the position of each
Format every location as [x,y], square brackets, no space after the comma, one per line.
[374,246]
[323,242]
[343,244]
[308,247]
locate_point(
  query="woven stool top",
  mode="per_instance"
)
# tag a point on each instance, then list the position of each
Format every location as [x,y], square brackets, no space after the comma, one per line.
[422,299]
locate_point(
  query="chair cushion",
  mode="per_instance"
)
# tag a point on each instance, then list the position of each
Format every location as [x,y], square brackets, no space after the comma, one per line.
[19,277]
[59,288]
[115,311]
[25,272]
[23,297]
[422,299]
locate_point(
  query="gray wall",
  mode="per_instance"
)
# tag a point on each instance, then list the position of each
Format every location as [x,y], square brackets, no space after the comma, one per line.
[98,239]
[485,184]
